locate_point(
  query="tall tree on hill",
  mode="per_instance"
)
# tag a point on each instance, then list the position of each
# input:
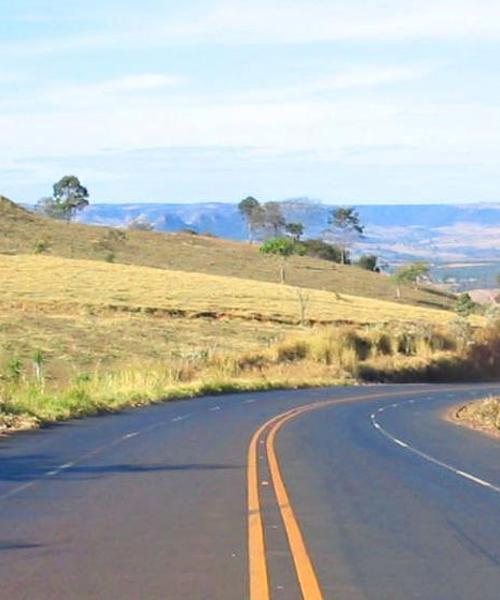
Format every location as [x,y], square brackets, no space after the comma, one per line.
[345,228]
[281,248]
[412,273]
[274,219]
[252,211]
[69,197]
[295,230]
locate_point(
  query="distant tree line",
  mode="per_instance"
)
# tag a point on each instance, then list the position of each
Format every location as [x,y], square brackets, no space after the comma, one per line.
[343,228]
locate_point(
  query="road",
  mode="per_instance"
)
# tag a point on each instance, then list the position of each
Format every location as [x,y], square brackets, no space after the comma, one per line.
[360,493]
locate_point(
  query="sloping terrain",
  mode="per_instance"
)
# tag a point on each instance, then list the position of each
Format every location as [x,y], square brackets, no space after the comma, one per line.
[82,313]
[22,232]
[56,283]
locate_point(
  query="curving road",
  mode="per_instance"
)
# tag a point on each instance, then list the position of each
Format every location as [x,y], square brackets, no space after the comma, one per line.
[346,493]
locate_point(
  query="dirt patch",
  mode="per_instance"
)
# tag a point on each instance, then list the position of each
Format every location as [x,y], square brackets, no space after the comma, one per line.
[13,423]
[480,415]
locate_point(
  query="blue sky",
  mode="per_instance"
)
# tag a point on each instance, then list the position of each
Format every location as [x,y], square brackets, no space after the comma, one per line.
[351,101]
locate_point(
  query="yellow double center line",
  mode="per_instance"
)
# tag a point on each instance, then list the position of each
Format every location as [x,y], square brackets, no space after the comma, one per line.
[257,560]
[258,571]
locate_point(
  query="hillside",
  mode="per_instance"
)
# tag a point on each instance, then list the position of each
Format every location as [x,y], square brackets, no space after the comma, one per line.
[22,232]
[45,282]
[81,313]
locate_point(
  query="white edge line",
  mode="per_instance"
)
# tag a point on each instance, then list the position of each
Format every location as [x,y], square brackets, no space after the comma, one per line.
[181,418]
[17,490]
[436,461]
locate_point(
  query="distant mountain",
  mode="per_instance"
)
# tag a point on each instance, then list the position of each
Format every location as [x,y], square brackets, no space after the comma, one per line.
[437,232]
[216,218]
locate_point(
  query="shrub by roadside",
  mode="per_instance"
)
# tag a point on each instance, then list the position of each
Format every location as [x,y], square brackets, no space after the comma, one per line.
[482,414]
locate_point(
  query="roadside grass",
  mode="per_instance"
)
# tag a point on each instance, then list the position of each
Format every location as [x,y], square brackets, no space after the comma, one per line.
[28,404]
[22,232]
[331,355]
[76,343]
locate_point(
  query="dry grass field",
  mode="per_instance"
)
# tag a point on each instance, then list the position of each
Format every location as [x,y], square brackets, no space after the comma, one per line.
[80,313]
[53,283]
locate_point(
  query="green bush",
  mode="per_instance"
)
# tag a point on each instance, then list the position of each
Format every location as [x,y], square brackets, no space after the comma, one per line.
[41,246]
[320,249]
[14,370]
[368,262]
[464,305]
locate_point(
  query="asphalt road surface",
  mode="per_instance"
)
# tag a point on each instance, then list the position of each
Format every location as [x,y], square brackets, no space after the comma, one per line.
[343,494]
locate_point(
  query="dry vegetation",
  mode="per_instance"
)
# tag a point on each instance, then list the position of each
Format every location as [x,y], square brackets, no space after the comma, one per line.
[86,313]
[321,356]
[483,415]
[51,283]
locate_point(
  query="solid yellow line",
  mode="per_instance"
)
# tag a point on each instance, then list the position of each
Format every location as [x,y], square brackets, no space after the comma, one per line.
[258,571]
[306,574]
[259,580]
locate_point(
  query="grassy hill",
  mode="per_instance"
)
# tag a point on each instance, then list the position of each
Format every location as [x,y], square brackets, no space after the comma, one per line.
[22,232]
[81,312]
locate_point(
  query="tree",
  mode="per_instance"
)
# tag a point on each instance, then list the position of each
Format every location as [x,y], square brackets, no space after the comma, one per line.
[412,273]
[368,262]
[274,218]
[251,210]
[140,223]
[282,248]
[267,218]
[295,230]
[464,305]
[69,197]
[345,226]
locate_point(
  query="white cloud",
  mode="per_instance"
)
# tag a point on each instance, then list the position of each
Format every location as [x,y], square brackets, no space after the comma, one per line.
[101,93]
[128,83]
[343,79]
[270,21]
[280,22]
[146,81]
